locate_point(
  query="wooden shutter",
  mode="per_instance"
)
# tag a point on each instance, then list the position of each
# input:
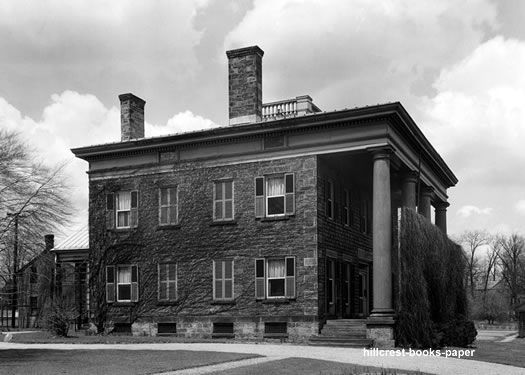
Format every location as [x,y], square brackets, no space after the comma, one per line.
[260,280]
[134,284]
[110,211]
[162,284]
[110,283]
[290,277]
[289,196]
[172,283]
[134,209]
[259,197]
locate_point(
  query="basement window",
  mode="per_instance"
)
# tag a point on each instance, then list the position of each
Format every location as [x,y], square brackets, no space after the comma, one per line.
[166,329]
[275,329]
[122,329]
[223,330]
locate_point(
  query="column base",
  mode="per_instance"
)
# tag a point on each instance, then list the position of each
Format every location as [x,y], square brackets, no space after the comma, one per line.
[380,328]
[382,313]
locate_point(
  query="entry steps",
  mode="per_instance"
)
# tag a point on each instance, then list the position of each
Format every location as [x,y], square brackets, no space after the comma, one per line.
[349,333]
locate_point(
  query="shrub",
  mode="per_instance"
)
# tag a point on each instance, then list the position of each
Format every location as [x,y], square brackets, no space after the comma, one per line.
[57,317]
[432,299]
[458,332]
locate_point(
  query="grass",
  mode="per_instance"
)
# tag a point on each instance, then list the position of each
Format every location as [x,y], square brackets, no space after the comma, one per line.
[107,361]
[45,337]
[306,366]
[505,353]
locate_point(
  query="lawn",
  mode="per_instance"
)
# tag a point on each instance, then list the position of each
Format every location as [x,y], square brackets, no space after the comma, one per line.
[115,362]
[507,353]
[306,366]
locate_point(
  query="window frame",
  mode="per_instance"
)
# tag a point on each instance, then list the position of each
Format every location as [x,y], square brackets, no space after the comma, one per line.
[268,278]
[346,207]
[116,197]
[284,278]
[168,281]
[169,205]
[117,283]
[330,196]
[223,199]
[268,196]
[223,280]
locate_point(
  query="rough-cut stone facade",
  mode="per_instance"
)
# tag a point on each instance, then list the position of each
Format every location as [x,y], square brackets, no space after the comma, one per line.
[344,242]
[131,117]
[197,240]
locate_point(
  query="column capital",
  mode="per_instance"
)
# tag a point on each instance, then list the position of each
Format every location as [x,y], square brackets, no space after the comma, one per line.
[427,191]
[381,152]
[410,176]
[441,205]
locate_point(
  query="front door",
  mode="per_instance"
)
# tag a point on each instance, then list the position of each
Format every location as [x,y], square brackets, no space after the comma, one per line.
[338,289]
[363,303]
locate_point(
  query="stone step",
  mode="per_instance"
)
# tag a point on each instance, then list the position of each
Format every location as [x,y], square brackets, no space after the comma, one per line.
[340,341]
[347,335]
[334,332]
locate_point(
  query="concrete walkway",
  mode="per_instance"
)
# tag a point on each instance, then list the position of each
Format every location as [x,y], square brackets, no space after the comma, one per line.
[432,365]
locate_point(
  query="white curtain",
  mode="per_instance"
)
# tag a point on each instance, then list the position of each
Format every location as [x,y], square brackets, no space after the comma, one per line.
[276,268]
[275,186]
[124,201]
[124,275]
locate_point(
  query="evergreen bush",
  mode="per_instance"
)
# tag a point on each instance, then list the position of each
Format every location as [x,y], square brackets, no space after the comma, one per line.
[432,297]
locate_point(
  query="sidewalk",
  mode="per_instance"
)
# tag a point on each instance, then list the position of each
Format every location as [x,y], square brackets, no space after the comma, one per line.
[433,365]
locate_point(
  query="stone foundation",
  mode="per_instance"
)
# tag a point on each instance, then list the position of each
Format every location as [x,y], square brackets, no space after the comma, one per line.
[381,331]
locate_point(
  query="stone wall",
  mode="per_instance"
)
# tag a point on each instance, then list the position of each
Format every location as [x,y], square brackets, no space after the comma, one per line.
[197,240]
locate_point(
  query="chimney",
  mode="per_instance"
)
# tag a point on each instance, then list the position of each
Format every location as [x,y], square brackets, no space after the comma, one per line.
[245,85]
[49,240]
[131,117]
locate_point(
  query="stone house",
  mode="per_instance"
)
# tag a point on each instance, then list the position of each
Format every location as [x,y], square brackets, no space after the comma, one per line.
[35,286]
[278,225]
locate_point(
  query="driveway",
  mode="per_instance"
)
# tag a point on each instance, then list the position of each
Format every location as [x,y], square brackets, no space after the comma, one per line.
[433,365]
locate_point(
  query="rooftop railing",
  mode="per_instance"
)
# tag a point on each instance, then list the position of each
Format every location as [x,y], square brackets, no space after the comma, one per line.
[298,106]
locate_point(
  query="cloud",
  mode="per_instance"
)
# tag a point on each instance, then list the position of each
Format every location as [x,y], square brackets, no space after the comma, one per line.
[359,52]
[467,211]
[72,120]
[520,207]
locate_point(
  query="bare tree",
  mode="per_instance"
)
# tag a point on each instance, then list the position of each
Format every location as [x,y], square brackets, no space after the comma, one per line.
[33,202]
[472,242]
[512,259]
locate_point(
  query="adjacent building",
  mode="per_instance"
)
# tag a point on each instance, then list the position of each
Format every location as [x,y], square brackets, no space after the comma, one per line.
[272,226]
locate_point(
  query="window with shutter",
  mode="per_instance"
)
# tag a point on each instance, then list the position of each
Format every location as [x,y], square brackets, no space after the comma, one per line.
[126,281]
[290,277]
[223,280]
[127,204]
[330,199]
[259,197]
[110,211]
[110,284]
[168,206]
[167,287]
[134,211]
[346,207]
[260,290]
[134,283]
[289,194]
[223,207]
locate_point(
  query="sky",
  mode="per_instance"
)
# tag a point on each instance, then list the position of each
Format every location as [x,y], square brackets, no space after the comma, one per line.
[458,67]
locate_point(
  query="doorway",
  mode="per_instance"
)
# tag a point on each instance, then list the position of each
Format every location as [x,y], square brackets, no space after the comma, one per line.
[363,291]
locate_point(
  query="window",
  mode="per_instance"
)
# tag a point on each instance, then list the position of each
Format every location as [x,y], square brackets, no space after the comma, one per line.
[346,207]
[330,199]
[275,278]
[330,285]
[33,276]
[167,287]
[365,215]
[126,208]
[275,195]
[223,201]
[223,279]
[122,283]
[168,206]
[33,304]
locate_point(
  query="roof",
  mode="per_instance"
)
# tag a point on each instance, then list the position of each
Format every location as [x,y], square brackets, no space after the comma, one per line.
[395,112]
[77,241]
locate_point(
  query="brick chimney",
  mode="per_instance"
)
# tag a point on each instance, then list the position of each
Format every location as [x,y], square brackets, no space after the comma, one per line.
[245,85]
[131,117]
[49,240]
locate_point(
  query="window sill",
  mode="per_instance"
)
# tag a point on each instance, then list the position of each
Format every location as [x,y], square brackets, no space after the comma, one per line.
[223,222]
[275,218]
[168,227]
[277,301]
[275,335]
[225,302]
[122,230]
[122,304]
[223,335]
[167,303]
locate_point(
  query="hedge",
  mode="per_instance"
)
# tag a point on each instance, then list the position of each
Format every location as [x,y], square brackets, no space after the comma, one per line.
[432,302]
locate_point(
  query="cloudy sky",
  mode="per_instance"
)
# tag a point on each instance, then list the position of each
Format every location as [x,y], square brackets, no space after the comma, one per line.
[458,67]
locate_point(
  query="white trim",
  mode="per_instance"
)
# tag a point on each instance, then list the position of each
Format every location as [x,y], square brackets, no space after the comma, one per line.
[169,205]
[268,278]
[117,283]
[223,200]
[267,196]
[117,211]
[168,281]
[223,280]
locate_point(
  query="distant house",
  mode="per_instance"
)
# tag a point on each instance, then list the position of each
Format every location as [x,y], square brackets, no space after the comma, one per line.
[35,286]
[278,225]
[71,257]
